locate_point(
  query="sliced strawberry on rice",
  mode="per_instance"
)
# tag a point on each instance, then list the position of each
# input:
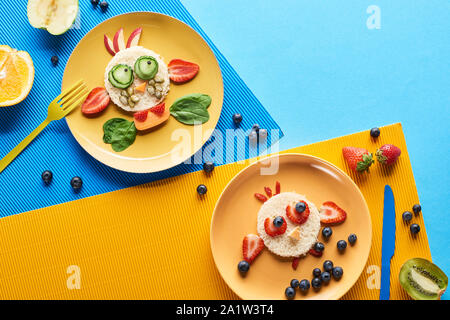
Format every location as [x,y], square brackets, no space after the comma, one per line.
[295,216]
[181,71]
[272,230]
[331,213]
[96,101]
[251,247]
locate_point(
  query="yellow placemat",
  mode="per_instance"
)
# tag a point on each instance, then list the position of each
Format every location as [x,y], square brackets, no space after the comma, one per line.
[152,241]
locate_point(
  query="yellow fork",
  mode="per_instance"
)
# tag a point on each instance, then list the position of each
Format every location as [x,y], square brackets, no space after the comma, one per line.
[68,100]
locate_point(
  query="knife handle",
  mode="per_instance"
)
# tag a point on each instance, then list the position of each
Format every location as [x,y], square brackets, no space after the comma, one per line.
[385,288]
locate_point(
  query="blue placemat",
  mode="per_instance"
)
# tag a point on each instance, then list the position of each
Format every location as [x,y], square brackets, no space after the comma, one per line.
[21,187]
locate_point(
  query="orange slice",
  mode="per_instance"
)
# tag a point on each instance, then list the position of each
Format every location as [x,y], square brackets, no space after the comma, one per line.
[16,75]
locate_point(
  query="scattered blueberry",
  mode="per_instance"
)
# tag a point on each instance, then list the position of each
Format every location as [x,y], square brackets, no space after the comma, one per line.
[294,283]
[328,265]
[417,208]
[317,272]
[104,5]
[201,189]
[300,207]
[415,228]
[316,283]
[208,166]
[54,60]
[47,176]
[407,216]
[327,232]
[319,247]
[237,118]
[341,245]
[290,292]
[76,183]
[352,238]
[255,128]
[325,277]
[304,285]
[95,2]
[243,266]
[375,132]
[337,273]
[278,222]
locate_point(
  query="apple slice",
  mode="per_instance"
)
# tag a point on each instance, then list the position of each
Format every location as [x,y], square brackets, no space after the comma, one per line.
[133,39]
[109,45]
[119,42]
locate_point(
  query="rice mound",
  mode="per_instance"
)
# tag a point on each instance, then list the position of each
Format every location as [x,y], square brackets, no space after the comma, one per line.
[283,245]
[129,57]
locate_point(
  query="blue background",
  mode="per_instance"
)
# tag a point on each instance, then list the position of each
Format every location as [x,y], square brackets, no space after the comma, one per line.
[322,73]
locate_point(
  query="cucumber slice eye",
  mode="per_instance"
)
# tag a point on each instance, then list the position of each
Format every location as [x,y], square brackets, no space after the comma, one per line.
[146,67]
[121,76]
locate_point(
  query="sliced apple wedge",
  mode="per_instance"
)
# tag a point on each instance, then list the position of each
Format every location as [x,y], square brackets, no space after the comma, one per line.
[119,42]
[56,16]
[133,39]
[109,45]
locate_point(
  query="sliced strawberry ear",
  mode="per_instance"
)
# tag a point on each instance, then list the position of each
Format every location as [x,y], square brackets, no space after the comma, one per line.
[331,213]
[252,247]
[181,71]
[96,101]
[260,197]
[268,191]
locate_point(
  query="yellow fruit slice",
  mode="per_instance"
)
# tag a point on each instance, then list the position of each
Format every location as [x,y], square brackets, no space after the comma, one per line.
[16,75]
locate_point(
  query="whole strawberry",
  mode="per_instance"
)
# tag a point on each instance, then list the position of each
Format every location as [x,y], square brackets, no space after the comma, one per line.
[388,154]
[358,159]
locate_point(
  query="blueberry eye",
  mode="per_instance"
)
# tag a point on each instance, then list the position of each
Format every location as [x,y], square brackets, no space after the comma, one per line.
[149,62]
[126,70]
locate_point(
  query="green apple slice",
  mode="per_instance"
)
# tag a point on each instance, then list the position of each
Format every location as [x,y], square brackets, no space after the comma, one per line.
[56,16]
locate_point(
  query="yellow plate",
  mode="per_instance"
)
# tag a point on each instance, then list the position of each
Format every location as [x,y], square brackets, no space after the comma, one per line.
[235,216]
[171,38]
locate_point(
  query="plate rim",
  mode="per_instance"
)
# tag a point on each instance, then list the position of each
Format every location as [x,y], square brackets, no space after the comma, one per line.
[132,168]
[304,155]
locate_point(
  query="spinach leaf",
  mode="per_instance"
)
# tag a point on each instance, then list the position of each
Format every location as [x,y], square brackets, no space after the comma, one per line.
[191,109]
[109,127]
[120,133]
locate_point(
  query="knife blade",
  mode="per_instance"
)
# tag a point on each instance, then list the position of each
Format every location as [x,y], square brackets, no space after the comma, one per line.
[388,242]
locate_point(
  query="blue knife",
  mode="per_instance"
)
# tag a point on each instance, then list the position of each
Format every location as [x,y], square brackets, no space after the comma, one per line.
[388,242]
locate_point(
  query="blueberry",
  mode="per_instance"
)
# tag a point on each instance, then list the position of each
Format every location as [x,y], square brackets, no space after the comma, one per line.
[237,118]
[407,216]
[94,2]
[104,5]
[208,166]
[255,128]
[375,132]
[328,265]
[243,266]
[278,221]
[76,183]
[290,293]
[300,207]
[325,277]
[415,228]
[417,208]
[47,176]
[337,273]
[201,189]
[319,247]
[317,272]
[327,232]
[304,285]
[294,283]
[352,238]
[54,60]
[316,283]
[341,245]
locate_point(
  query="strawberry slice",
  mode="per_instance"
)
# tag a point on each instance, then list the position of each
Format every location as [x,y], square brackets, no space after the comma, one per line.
[141,116]
[295,216]
[260,197]
[315,253]
[158,109]
[181,71]
[96,101]
[251,247]
[331,213]
[268,191]
[295,263]
[272,230]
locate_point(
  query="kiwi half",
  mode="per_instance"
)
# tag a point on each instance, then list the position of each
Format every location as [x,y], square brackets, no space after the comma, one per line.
[422,279]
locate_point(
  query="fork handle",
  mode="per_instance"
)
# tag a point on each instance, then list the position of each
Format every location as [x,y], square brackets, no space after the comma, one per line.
[19,148]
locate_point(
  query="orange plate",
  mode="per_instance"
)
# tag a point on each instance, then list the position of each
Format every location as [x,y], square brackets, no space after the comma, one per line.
[236,213]
[156,150]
